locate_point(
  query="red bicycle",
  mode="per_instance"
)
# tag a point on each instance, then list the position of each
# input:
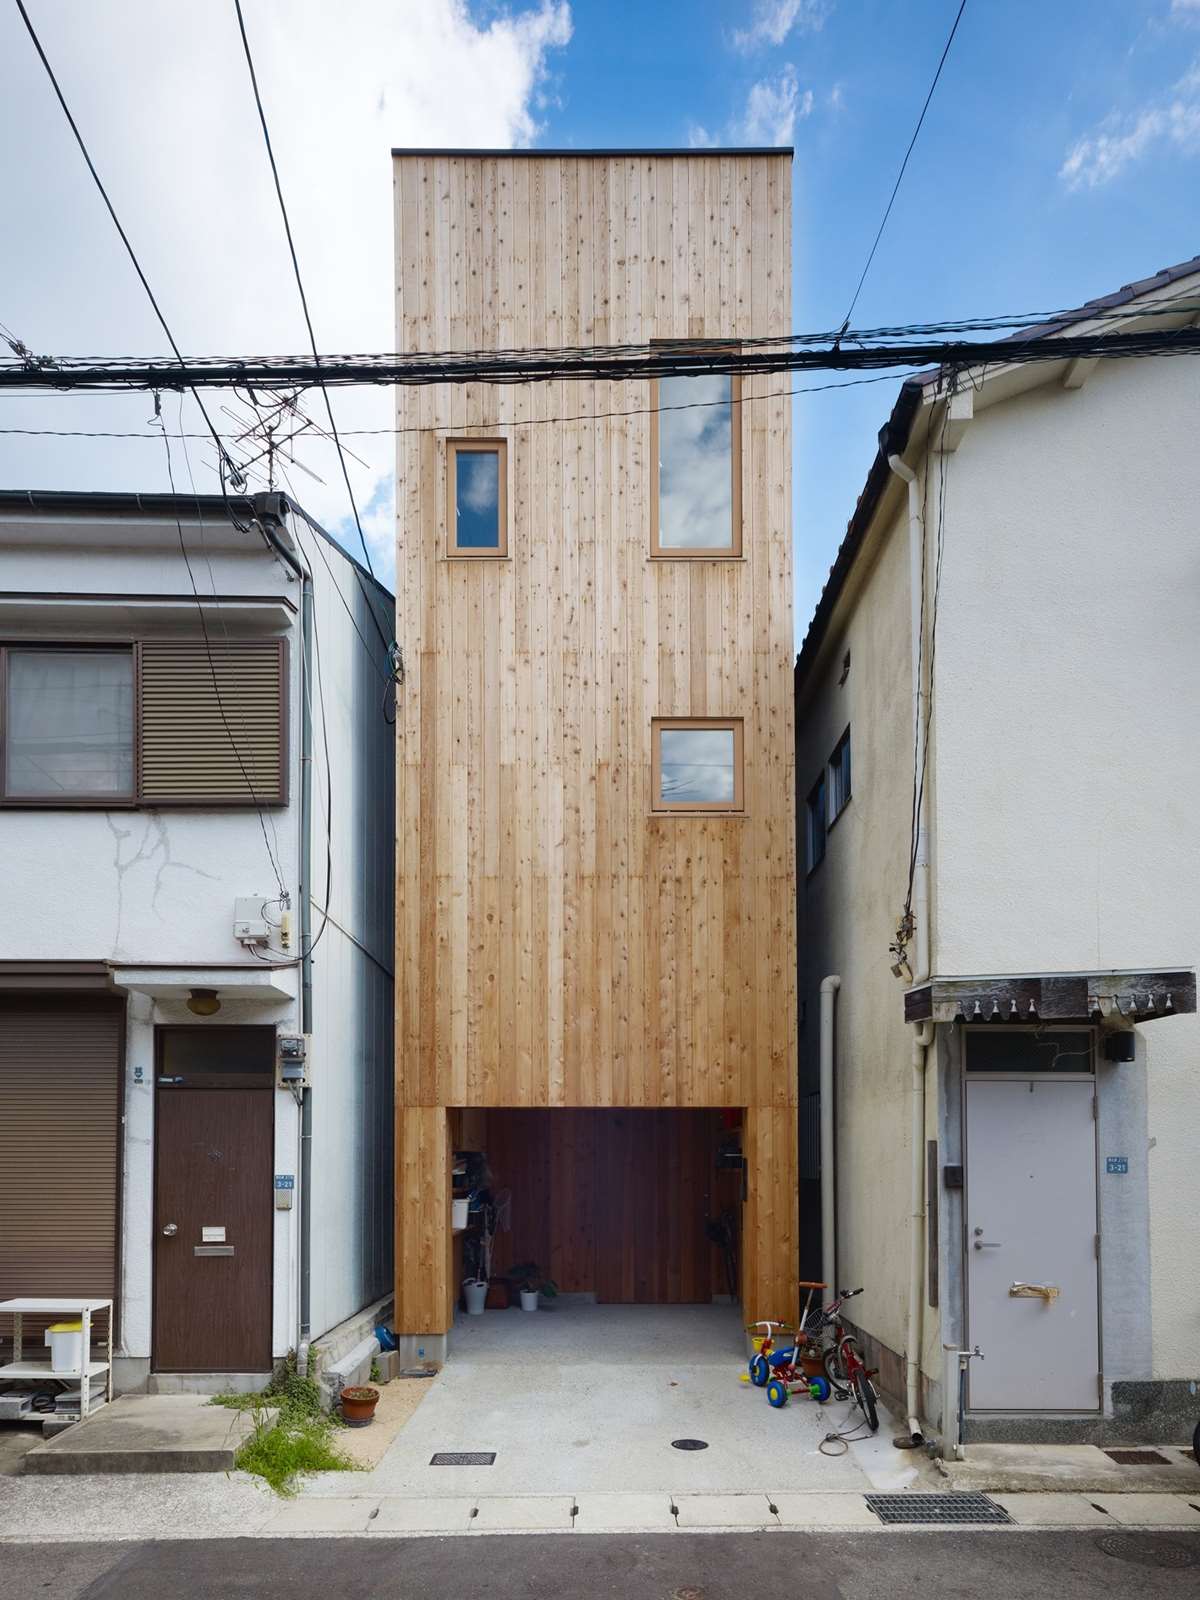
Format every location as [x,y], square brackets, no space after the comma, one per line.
[849,1376]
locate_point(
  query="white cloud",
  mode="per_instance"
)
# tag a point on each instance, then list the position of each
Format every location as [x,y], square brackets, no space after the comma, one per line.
[772,108]
[773,20]
[163,99]
[1171,120]
[1185,7]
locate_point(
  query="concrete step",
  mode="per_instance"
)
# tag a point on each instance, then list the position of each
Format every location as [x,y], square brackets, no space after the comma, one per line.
[146,1433]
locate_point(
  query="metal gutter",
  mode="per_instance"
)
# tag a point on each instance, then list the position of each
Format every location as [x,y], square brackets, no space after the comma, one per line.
[601,153]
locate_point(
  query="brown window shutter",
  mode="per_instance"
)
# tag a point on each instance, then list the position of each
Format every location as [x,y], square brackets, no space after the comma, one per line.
[211,722]
[60,1118]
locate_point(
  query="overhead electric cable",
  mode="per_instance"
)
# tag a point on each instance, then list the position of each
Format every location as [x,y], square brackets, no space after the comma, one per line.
[235,475]
[287,228]
[903,165]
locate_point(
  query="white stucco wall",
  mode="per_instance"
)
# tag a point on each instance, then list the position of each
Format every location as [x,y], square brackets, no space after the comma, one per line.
[849,907]
[1068,767]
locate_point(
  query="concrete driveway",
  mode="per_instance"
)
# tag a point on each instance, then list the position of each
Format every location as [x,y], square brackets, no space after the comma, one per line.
[584,1398]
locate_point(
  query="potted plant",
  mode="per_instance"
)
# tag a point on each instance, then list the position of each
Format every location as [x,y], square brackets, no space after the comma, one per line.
[358,1405]
[532,1282]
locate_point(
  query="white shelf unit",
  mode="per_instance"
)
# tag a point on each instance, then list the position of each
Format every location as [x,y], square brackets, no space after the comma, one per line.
[20,1370]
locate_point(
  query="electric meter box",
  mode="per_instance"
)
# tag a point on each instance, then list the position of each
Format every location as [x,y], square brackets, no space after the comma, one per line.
[250,926]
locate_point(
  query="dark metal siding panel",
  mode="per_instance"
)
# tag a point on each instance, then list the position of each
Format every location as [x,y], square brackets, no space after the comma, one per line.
[60,1123]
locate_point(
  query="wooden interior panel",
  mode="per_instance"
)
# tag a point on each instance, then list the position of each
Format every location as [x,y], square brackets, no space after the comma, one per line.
[771,1220]
[423,1238]
[612,1203]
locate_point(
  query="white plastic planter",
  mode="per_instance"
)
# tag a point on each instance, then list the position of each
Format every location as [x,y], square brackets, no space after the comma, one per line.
[529,1299]
[458,1213]
[476,1294]
[66,1346]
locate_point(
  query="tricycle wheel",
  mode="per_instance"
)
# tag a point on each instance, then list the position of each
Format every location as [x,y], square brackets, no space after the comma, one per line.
[759,1371]
[777,1393]
[820,1389]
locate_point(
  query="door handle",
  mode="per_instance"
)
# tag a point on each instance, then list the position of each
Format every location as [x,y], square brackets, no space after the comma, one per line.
[987,1244]
[170,1229]
[1034,1291]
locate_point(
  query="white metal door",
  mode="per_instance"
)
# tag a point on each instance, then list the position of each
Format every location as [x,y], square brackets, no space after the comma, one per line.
[1031,1222]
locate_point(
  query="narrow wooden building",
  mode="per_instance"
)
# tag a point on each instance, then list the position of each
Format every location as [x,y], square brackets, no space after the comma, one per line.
[595,916]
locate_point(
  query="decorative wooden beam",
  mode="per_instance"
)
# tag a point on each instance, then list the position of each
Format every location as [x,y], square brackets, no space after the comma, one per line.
[960,411]
[1054,997]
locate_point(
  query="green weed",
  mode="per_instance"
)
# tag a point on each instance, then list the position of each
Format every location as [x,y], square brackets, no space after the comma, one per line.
[282,1447]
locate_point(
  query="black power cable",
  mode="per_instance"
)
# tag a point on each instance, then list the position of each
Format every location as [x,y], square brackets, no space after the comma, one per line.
[903,165]
[287,228]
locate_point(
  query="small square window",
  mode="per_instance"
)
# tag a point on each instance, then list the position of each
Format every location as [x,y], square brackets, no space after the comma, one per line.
[839,777]
[477,497]
[698,764]
[68,724]
[815,819]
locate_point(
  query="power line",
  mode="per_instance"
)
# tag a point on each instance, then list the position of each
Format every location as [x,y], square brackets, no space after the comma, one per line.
[287,228]
[903,165]
[273,373]
[235,476]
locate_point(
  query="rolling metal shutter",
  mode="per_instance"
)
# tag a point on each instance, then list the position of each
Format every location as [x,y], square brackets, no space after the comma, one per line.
[211,722]
[60,1146]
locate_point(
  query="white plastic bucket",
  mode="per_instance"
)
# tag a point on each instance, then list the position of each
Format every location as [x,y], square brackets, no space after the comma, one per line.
[66,1346]
[529,1299]
[458,1213]
[476,1294]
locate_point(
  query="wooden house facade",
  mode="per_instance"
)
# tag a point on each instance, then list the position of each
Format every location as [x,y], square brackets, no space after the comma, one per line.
[595,903]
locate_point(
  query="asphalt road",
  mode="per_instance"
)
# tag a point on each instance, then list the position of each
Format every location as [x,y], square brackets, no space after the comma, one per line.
[834,1566]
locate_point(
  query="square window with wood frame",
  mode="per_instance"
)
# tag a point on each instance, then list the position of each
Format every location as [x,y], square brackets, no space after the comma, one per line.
[477,497]
[696,466]
[839,778]
[815,824]
[697,764]
[153,722]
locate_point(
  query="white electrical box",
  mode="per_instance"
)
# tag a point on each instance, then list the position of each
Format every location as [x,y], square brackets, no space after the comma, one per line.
[250,925]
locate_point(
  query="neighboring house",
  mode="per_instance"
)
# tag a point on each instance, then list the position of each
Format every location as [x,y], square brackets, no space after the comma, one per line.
[595,922]
[196,826]
[996,706]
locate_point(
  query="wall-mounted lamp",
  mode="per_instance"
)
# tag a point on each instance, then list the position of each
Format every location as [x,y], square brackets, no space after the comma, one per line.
[203,1002]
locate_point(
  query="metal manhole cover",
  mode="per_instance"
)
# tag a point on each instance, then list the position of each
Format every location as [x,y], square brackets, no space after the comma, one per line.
[463,1458]
[1137,1458]
[689,1444]
[1147,1550]
[956,1508]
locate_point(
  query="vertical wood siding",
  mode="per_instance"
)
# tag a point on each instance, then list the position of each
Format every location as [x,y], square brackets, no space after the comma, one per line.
[558,945]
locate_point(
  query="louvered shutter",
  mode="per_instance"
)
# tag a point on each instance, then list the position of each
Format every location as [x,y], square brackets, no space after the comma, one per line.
[60,1111]
[212,722]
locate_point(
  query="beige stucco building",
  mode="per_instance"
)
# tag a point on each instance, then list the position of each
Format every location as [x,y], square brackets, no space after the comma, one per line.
[1001,864]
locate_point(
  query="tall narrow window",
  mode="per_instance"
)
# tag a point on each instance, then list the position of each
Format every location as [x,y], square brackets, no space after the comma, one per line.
[477,497]
[69,724]
[815,824]
[696,466]
[839,777]
[697,764]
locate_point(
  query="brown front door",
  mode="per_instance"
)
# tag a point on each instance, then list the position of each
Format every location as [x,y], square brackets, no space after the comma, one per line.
[213,1211]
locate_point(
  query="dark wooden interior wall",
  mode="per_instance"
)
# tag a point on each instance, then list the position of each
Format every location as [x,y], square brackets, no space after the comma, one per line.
[613,1202]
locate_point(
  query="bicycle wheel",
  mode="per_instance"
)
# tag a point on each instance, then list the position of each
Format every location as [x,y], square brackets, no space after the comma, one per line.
[835,1369]
[1196,1444]
[864,1397]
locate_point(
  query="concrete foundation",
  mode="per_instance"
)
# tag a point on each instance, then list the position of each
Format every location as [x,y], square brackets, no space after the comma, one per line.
[146,1433]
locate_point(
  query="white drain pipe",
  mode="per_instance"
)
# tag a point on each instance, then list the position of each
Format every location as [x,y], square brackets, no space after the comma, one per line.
[922,1036]
[829,989]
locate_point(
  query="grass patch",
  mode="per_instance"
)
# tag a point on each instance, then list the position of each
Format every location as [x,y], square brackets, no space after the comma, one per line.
[293,1433]
[282,1448]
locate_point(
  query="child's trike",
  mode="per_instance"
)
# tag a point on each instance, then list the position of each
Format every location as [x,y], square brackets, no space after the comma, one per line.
[795,1367]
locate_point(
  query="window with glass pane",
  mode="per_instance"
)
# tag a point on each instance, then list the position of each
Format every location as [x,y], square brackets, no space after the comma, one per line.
[816,824]
[697,766]
[477,498]
[839,777]
[68,723]
[696,438]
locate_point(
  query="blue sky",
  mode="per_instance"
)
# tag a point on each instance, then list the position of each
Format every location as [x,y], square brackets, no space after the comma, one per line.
[1060,159]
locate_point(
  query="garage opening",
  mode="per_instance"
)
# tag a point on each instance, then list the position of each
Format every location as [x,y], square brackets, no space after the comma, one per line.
[616,1206]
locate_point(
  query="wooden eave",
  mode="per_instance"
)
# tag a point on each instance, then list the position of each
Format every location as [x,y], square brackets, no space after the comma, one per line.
[1080,997]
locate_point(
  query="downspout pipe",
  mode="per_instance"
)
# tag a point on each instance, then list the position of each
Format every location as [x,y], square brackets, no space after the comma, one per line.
[269,511]
[829,989]
[922,1033]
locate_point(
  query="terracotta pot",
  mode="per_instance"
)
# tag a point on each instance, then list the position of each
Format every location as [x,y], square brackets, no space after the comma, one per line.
[358,1405]
[498,1297]
[812,1366]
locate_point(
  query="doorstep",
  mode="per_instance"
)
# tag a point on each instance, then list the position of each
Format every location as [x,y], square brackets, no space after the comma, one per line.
[1071,1468]
[146,1433]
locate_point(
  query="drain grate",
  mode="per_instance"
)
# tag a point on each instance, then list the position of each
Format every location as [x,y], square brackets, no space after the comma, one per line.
[1137,1458]
[1146,1550]
[936,1508]
[463,1458]
[689,1444]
